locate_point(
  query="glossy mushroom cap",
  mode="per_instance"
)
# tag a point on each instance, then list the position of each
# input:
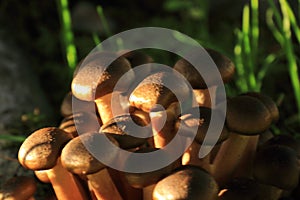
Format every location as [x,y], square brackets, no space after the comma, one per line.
[93,77]
[18,188]
[241,188]
[248,116]
[190,121]
[121,129]
[268,102]
[278,166]
[76,158]
[224,65]
[187,183]
[80,122]
[42,148]
[141,180]
[151,91]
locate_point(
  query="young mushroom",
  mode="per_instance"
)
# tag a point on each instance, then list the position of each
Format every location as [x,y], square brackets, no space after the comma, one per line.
[200,87]
[191,121]
[147,180]
[41,151]
[18,188]
[77,159]
[96,81]
[278,167]
[246,117]
[187,183]
[153,96]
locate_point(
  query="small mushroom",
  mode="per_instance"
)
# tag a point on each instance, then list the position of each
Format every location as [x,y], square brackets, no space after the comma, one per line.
[41,151]
[277,166]
[186,183]
[18,188]
[80,122]
[95,82]
[136,58]
[225,67]
[79,160]
[246,118]
[191,121]
[147,181]
[122,128]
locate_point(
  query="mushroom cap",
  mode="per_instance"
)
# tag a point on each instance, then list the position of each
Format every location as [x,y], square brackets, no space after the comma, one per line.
[136,58]
[187,183]
[120,128]
[247,116]
[285,140]
[85,122]
[268,102]
[152,91]
[189,121]
[76,158]
[93,78]
[42,148]
[141,180]
[20,188]
[66,106]
[224,65]
[240,188]
[278,166]
[42,175]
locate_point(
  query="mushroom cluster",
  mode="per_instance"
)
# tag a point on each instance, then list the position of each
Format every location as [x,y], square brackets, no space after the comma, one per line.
[241,165]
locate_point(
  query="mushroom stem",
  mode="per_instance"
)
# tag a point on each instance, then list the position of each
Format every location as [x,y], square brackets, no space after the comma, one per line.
[65,184]
[205,98]
[191,157]
[103,186]
[148,191]
[244,169]
[228,157]
[164,133]
[105,104]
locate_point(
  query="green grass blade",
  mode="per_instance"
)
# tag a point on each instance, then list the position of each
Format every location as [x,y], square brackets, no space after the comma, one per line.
[67,34]
[270,22]
[104,21]
[12,138]
[254,28]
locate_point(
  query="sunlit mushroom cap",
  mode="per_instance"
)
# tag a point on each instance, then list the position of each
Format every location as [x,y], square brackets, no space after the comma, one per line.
[42,148]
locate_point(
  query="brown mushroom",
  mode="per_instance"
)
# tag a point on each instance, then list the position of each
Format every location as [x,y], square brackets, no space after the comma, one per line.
[80,122]
[79,160]
[225,67]
[278,167]
[147,180]
[96,81]
[18,188]
[41,151]
[186,183]
[192,121]
[246,117]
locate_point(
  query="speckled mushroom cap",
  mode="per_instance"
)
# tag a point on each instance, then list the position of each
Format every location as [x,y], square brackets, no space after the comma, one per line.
[190,120]
[78,159]
[152,91]
[42,148]
[18,188]
[85,122]
[247,115]
[240,188]
[121,128]
[224,65]
[93,77]
[278,166]
[187,183]
[268,102]
[141,180]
